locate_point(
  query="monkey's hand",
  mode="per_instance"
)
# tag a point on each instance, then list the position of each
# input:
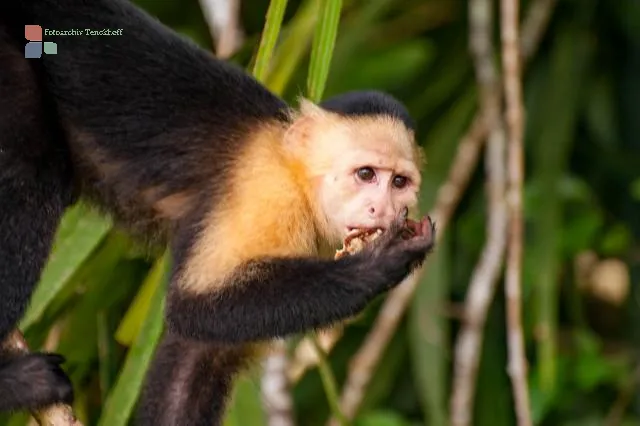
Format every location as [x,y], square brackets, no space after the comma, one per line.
[33,381]
[402,248]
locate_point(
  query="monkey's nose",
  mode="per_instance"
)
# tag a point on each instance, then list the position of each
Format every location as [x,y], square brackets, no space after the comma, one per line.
[378,212]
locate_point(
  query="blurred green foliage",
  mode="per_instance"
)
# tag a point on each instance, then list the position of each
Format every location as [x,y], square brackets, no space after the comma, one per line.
[99,300]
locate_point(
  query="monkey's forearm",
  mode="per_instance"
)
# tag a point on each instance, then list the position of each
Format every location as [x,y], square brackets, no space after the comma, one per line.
[281,297]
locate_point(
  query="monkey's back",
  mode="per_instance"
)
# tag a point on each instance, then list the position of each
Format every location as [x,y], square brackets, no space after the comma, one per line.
[152,122]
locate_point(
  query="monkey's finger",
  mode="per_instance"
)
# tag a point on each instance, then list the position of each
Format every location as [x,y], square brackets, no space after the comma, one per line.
[397,231]
[397,226]
[421,244]
[428,227]
[401,217]
[415,227]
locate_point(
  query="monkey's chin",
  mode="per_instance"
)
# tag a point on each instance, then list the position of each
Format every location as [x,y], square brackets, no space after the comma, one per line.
[356,239]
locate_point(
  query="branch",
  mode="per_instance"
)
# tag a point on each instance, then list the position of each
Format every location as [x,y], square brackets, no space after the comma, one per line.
[330,386]
[306,356]
[363,363]
[485,276]
[222,17]
[515,128]
[55,415]
[276,394]
[365,360]
[534,25]
[616,414]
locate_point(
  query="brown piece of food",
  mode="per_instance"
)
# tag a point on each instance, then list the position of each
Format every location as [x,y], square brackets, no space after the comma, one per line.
[356,241]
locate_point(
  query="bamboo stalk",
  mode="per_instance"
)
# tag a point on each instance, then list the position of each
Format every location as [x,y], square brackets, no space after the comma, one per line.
[276,394]
[485,276]
[514,118]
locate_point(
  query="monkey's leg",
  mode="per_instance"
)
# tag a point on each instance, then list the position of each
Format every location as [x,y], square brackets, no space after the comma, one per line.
[33,197]
[188,382]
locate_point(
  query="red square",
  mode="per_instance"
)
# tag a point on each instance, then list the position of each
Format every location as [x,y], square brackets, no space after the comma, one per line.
[33,32]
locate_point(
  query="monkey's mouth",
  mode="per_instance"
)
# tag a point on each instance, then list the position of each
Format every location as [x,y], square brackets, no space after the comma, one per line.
[356,239]
[364,234]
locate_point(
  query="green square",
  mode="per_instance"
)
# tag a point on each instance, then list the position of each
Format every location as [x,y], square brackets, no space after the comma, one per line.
[50,48]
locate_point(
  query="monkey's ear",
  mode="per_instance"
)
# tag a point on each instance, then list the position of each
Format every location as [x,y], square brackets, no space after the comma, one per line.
[298,134]
[300,131]
[309,109]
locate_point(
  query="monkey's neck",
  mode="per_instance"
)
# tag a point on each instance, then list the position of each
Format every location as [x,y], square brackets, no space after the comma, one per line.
[297,166]
[189,382]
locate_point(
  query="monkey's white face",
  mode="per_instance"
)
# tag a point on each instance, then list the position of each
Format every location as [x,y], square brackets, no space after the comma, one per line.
[364,170]
[365,190]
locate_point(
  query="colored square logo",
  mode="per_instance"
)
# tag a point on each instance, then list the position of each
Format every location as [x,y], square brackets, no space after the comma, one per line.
[33,32]
[50,48]
[36,46]
[33,49]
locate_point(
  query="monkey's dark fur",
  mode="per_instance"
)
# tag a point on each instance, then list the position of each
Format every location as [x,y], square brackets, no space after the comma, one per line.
[129,121]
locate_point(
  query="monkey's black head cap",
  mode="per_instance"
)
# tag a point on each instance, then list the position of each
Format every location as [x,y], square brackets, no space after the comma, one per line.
[369,102]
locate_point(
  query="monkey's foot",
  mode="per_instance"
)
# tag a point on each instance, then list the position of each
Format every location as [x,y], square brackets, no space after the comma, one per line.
[34,381]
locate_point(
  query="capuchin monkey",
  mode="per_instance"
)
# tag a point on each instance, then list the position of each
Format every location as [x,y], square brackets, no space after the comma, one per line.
[252,196]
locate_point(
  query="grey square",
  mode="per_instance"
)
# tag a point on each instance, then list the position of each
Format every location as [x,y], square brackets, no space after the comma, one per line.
[33,49]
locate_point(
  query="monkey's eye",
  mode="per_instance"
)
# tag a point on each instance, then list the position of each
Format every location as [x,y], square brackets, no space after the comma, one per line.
[365,174]
[400,181]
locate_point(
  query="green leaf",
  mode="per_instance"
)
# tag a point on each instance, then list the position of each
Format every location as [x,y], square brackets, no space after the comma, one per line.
[571,188]
[122,399]
[551,135]
[245,407]
[135,316]
[329,383]
[80,232]
[428,343]
[78,339]
[591,368]
[580,232]
[493,403]
[381,418]
[635,189]
[322,49]
[106,349]
[616,241]
[272,24]
[361,24]
[17,419]
[393,360]
[294,45]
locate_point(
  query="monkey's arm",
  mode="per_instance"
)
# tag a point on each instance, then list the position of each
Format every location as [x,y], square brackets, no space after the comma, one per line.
[275,297]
